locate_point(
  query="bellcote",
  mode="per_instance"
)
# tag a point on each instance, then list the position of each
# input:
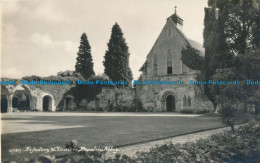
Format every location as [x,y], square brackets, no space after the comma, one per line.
[176,19]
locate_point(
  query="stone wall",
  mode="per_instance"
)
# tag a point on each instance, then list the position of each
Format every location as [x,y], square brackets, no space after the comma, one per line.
[174,43]
[170,41]
[153,96]
[56,91]
[115,97]
[109,99]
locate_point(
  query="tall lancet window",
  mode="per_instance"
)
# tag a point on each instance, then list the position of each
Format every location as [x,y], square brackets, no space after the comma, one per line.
[169,62]
[189,101]
[169,32]
[184,68]
[155,65]
[184,100]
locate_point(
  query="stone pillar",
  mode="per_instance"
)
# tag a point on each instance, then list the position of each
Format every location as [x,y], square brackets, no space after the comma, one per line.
[9,103]
[53,107]
[163,106]
[30,102]
[40,103]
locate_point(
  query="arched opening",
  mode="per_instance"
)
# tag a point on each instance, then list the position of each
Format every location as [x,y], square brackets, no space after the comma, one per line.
[97,104]
[3,104]
[47,103]
[70,104]
[21,99]
[170,103]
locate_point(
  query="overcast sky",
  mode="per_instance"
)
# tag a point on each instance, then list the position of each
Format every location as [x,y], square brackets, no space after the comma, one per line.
[42,37]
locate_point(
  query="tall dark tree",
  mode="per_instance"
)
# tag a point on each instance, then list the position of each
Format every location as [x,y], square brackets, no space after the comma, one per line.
[216,53]
[256,36]
[239,25]
[84,64]
[116,61]
[228,34]
[241,30]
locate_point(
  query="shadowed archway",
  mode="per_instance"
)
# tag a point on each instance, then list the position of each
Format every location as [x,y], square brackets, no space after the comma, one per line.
[21,99]
[69,103]
[47,103]
[4,105]
[168,101]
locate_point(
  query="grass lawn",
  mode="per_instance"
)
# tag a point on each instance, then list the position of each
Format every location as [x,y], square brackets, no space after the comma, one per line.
[101,130]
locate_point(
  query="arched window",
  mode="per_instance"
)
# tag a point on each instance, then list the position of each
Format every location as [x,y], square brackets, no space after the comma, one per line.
[189,101]
[169,32]
[197,95]
[184,100]
[155,65]
[169,62]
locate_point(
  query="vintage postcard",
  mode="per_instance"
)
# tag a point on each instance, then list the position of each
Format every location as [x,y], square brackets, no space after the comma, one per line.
[140,81]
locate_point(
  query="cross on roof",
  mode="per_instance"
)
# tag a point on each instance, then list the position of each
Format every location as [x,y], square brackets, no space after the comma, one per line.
[175,9]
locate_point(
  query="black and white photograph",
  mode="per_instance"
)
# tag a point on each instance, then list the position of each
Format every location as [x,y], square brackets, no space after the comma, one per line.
[130,81]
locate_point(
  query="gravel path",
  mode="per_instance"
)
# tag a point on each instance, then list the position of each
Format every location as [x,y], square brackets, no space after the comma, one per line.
[132,149]
[97,114]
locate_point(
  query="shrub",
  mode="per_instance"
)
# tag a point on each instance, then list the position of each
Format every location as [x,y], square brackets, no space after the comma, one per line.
[187,111]
[204,111]
[238,146]
[193,111]
[228,115]
[136,105]
[100,109]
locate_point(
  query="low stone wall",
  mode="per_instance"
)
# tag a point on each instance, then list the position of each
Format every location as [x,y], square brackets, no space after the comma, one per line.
[56,91]
[109,100]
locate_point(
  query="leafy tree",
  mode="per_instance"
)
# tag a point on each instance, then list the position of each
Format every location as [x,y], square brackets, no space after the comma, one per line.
[238,91]
[33,77]
[239,25]
[242,35]
[251,70]
[192,58]
[84,64]
[67,73]
[116,61]
[229,31]
[256,29]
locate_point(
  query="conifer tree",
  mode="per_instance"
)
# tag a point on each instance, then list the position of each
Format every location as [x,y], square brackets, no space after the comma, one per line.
[84,64]
[116,61]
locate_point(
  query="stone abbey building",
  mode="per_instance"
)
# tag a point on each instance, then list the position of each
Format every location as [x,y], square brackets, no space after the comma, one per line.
[163,63]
